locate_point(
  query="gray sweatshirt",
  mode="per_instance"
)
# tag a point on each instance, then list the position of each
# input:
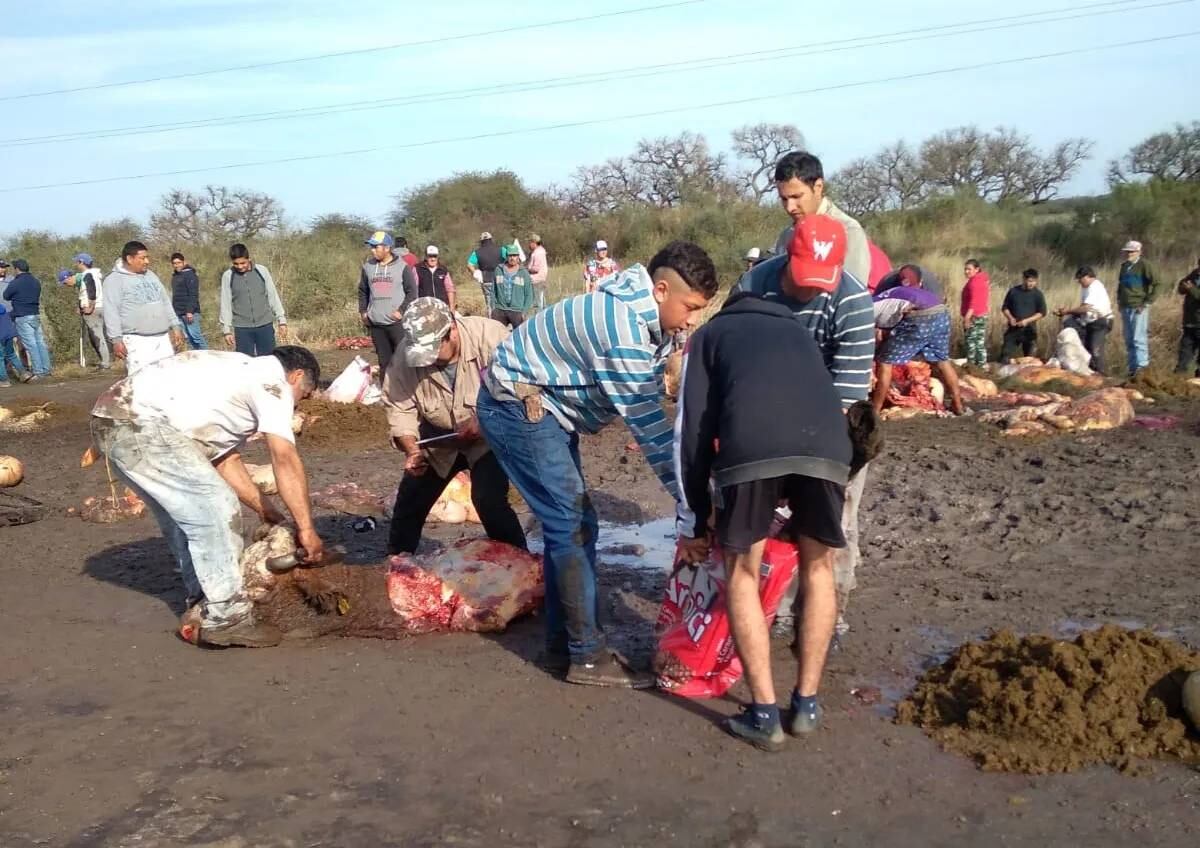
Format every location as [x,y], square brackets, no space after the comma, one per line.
[255,303]
[384,289]
[136,304]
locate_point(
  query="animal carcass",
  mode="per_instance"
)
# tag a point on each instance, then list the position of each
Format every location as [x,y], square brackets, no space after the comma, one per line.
[1101,410]
[1036,375]
[475,585]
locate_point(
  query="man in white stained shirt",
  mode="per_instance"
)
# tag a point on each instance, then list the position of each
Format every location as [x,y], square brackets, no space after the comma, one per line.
[173,431]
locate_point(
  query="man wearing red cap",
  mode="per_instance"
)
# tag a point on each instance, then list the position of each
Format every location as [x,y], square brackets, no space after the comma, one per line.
[836,309]
[794,446]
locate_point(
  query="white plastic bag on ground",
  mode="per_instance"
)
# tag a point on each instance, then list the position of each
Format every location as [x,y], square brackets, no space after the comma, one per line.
[1071,354]
[354,385]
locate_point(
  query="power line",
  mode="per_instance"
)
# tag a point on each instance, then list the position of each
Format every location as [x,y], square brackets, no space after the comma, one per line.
[592,78]
[318,57]
[607,119]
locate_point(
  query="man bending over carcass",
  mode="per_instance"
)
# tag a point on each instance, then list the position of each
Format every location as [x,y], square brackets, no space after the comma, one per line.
[594,357]
[172,431]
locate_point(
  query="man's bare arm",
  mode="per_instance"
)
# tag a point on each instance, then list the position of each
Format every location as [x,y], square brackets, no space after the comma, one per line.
[233,471]
[293,489]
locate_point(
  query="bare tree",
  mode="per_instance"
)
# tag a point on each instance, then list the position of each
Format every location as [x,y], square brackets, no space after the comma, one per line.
[891,179]
[660,172]
[953,159]
[762,145]
[216,212]
[1049,173]
[1173,155]
[668,169]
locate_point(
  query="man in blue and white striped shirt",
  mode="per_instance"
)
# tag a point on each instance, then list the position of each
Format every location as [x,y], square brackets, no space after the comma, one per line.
[842,320]
[593,358]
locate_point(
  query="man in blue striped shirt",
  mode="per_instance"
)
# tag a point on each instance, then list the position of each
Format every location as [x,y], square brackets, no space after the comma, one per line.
[593,358]
[842,320]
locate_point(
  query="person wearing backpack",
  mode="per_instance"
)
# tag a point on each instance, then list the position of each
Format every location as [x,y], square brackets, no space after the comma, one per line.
[250,305]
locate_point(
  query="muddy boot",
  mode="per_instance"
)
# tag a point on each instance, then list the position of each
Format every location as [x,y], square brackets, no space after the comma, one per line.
[242,632]
[805,715]
[757,726]
[608,670]
[555,662]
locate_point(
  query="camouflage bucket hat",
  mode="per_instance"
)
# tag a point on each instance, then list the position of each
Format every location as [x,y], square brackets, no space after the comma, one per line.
[426,323]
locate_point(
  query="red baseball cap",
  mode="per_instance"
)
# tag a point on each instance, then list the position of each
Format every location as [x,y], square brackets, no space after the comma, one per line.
[817,252]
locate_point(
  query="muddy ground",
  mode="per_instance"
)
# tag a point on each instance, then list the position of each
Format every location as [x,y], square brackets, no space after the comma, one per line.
[118,734]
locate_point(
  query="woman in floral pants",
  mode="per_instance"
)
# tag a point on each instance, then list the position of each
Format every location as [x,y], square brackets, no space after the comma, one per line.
[975,304]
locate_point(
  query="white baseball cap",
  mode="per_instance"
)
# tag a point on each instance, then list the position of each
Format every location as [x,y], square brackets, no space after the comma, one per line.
[431,250]
[753,253]
[602,245]
[1132,247]
[485,235]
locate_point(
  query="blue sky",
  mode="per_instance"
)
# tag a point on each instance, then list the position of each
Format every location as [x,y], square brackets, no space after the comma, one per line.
[1114,97]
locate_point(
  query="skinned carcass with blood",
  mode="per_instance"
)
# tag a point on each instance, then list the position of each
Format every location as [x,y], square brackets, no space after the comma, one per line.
[475,585]
[1100,410]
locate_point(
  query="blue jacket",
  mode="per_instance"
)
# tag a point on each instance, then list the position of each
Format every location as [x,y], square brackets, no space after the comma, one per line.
[25,295]
[8,330]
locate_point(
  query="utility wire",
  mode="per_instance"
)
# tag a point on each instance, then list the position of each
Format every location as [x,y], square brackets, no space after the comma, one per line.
[591,78]
[607,119]
[404,45]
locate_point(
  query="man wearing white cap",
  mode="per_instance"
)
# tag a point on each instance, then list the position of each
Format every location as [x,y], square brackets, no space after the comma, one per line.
[1136,288]
[483,262]
[752,257]
[599,266]
[433,279]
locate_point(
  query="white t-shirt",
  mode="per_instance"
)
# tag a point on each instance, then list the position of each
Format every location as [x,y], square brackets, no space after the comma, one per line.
[890,311]
[98,279]
[217,398]
[1095,297]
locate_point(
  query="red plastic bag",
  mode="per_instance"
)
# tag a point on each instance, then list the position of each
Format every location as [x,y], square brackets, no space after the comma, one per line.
[696,656]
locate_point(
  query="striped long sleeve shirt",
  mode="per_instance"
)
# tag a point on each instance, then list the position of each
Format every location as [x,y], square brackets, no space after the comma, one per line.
[841,321]
[597,356]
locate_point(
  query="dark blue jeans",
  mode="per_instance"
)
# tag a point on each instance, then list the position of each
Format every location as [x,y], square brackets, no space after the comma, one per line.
[542,461]
[254,341]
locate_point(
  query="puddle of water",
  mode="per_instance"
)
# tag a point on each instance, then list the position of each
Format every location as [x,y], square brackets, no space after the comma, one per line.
[648,547]
[1070,628]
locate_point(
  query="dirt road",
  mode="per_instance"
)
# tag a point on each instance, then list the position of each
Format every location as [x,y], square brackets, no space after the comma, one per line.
[118,734]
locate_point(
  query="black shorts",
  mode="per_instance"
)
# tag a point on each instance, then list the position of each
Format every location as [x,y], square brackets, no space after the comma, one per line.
[747,510]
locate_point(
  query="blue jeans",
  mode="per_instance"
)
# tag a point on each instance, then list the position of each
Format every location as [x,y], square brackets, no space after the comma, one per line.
[254,341]
[8,356]
[193,332]
[197,511]
[1137,336]
[29,330]
[542,461]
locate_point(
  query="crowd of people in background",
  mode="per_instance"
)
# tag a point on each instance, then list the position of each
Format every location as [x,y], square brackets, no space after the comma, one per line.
[507,394]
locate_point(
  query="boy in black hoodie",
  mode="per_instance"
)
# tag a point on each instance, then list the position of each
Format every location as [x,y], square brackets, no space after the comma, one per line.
[760,417]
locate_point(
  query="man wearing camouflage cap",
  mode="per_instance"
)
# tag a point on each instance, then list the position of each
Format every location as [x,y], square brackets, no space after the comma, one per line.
[430,389]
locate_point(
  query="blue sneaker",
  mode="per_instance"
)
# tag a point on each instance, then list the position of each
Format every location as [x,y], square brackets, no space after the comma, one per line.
[750,727]
[805,717]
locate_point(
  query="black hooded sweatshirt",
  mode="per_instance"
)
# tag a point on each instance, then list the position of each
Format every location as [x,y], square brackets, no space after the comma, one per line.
[755,402]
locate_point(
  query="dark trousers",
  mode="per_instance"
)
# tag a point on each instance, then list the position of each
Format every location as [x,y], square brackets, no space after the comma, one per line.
[387,341]
[1189,351]
[489,493]
[254,341]
[508,317]
[1023,339]
[1094,336]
